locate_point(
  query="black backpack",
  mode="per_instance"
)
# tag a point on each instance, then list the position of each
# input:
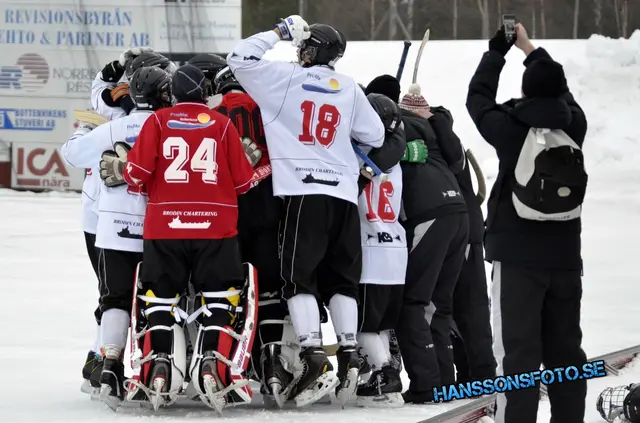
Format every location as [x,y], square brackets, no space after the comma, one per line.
[550,180]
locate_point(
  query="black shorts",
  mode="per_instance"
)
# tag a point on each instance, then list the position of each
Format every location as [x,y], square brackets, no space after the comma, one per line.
[320,249]
[379,307]
[211,265]
[117,271]
[92,251]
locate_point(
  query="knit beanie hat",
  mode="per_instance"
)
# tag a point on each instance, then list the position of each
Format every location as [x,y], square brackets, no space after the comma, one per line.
[544,78]
[385,85]
[415,102]
[188,85]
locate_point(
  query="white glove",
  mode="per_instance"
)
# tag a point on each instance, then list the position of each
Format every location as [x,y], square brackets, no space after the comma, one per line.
[132,52]
[294,28]
[254,154]
[112,165]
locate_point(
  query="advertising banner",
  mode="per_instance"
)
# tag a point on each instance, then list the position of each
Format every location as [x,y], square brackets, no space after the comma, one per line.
[38,120]
[41,166]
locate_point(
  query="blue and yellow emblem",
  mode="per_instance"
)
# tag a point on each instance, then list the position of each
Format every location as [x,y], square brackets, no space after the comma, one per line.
[331,86]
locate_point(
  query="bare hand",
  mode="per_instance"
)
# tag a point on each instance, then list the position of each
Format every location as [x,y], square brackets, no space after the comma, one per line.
[522,40]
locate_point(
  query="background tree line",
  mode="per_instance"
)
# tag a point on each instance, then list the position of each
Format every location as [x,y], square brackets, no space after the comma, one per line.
[450,19]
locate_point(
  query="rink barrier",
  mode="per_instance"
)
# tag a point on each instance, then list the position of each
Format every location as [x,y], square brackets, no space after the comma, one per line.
[484,406]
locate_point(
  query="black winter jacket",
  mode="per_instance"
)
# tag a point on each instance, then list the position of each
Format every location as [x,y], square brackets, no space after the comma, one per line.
[509,238]
[430,190]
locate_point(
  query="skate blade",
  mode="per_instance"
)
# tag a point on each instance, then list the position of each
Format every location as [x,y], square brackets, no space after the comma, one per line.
[212,397]
[155,398]
[348,387]
[321,387]
[280,399]
[393,400]
[106,397]
[95,394]
[86,387]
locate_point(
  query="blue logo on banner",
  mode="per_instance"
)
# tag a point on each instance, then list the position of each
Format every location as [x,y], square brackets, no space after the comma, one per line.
[30,119]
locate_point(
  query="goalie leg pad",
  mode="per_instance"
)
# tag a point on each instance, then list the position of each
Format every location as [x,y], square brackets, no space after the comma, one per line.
[165,335]
[226,334]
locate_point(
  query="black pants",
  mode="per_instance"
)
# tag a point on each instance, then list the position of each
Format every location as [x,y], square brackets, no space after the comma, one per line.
[436,253]
[320,250]
[379,307]
[536,318]
[472,346]
[93,252]
[117,271]
[212,265]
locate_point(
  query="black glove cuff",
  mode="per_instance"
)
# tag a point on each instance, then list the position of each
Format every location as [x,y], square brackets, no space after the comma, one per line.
[126,103]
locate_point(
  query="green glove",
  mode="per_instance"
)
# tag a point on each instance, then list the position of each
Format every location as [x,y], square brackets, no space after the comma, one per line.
[415,152]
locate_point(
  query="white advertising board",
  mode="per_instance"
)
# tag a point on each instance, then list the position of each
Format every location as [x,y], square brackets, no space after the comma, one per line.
[55,47]
[40,166]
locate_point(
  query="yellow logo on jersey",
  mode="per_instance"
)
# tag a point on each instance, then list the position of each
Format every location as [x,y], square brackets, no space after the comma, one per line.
[334,84]
[203,118]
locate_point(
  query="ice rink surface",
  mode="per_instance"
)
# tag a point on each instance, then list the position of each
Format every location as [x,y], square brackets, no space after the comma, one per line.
[49,290]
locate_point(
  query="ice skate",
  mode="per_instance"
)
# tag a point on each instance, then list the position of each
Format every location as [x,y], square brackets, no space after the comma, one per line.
[383,390]
[214,395]
[348,371]
[111,381]
[317,379]
[91,374]
[276,379]
[159,381]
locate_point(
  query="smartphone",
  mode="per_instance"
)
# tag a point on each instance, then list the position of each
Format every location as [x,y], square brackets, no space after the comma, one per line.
[509,22]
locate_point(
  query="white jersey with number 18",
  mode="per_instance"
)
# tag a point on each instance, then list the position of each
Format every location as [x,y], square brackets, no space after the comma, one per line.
[384,245]
[310,116]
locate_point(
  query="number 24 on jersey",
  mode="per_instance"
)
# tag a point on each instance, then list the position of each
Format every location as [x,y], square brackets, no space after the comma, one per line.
[203,160]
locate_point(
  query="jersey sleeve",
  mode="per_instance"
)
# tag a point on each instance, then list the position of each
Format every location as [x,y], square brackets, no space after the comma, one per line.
[85,149]
[98,87]
[239,166]
[366,128]
[265,81]
[143,157]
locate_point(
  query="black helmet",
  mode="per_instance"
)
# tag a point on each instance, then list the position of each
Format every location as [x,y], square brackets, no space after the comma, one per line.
[387,110]
[148,59]
[210,65]
[225,81]
[325,46]
[150,88]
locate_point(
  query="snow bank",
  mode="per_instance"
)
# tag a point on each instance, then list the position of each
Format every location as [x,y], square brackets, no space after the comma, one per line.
[603,74]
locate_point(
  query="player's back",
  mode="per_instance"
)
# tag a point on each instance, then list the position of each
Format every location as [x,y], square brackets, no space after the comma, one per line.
[192,164]
[384,244]
[318,110]
[245,115]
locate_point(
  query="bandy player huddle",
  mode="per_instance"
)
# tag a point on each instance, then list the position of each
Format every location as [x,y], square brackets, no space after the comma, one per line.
[337,239]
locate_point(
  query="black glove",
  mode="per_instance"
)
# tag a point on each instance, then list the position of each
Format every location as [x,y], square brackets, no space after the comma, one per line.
[112,72]
[499,42]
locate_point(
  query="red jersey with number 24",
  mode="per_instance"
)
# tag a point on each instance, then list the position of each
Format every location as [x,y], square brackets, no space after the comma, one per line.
[192,162]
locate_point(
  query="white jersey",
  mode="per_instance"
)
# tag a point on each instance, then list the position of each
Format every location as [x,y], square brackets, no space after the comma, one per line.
[121,209]
[310,116]
[98,104]
[384,244]
[92,183]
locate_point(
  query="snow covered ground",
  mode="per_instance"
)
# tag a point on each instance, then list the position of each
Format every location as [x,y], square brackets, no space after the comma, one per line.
[49,290]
